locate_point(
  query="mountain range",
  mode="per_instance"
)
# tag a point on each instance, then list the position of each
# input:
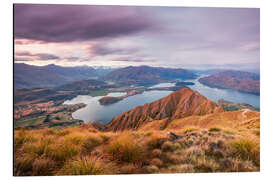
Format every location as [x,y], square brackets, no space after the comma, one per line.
[28,76]
[147,75]
[237,80]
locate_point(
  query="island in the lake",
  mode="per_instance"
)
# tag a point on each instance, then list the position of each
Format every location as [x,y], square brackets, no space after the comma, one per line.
[184,83]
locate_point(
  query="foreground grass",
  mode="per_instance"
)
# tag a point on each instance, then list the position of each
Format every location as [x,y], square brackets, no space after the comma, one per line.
[86,151]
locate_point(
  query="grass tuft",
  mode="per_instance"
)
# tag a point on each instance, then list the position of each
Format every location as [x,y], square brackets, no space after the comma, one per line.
[90,143]
[189,130]
[214,129]
[247,149]
[126,149]
[84,166]
[155,142]
[256,132]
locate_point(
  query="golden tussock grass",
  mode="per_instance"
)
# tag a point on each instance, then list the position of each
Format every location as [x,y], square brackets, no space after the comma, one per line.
[84,166]
[214,129]
[82,151]
[155,141]
[126,149]
[247,149]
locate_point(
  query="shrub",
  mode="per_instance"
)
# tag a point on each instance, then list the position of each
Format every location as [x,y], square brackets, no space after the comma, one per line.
[129,169]
[155,142]
[173,158]
[23,164]
[247,150]
[49,132]
[21,139]
[105,137]
[91,130]
[156,162]
[256,132]
[62,132]
[47,119]
[152,169]
[228,132]
[126,149]
[236,165]
[43,166]
[214,129]
[206,165]
[149,133]
[169,146]
[37,148]
[90,143]
[85,166]
[189,130]
[62,152]
[156,153]
[182,168]
[74,138]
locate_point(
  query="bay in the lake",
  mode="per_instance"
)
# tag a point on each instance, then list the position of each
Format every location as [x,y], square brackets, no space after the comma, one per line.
[96,112]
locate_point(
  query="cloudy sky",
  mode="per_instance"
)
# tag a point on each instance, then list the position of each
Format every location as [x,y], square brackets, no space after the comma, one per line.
[186,37]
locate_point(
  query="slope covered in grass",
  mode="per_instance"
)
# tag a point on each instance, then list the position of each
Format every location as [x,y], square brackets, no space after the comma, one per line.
[200,147]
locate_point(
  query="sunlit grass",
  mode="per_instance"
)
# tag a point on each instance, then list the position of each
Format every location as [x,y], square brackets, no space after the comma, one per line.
[247,149]
[126,149]
[84,166]
[81,151]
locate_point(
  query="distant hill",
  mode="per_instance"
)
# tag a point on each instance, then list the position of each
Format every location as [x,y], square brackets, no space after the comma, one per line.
[28,76]
[88,84]
[215,71]
[231,106]
[179,104]
[103,70]
[59,93]
[237,80]
[147,75]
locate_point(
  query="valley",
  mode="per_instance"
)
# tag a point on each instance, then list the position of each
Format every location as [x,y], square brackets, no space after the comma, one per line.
[100,99]
[98,126]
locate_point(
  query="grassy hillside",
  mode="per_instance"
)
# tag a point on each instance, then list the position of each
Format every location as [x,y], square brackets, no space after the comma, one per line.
[206,143]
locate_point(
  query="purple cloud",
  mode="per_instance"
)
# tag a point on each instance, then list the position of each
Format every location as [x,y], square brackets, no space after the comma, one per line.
[38,56]
[169,36]
[72,58]
[20,59]
[66,23]
[102,50]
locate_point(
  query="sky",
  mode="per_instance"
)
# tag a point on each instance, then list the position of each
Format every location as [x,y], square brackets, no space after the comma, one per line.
[117,36]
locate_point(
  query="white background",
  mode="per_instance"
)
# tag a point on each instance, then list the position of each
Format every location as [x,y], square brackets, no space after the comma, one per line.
[6,95]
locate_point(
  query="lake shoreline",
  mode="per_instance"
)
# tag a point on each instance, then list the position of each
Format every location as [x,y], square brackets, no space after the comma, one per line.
[105,113]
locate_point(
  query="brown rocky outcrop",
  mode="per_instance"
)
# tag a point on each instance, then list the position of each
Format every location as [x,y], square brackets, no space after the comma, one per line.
[179,104]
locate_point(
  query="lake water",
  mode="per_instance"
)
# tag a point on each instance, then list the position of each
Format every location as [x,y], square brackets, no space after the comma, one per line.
[96,112]
[228,94]
[162,85]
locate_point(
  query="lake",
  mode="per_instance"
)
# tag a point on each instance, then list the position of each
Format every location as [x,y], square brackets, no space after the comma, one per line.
[96,112]
[228,94]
